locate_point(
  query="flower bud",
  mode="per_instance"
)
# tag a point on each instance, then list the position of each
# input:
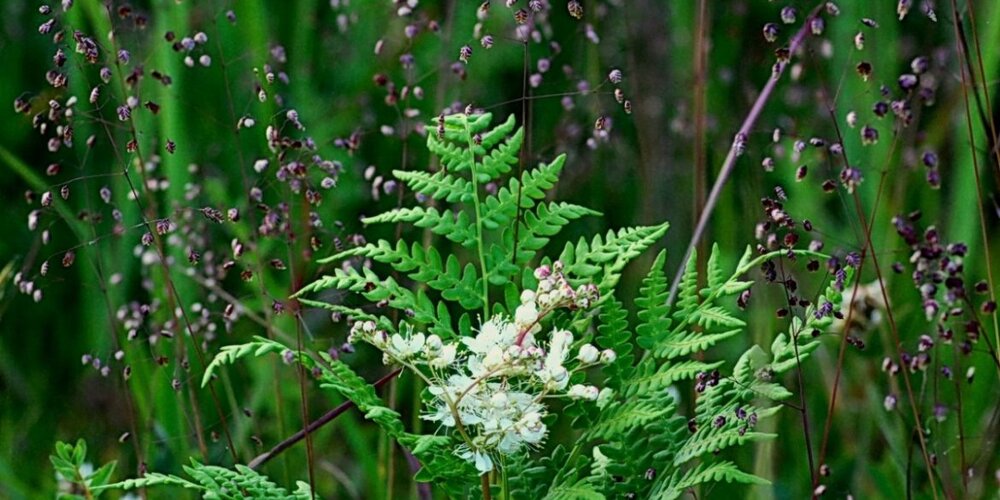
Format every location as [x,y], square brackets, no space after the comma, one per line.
[588,354]
[608,356]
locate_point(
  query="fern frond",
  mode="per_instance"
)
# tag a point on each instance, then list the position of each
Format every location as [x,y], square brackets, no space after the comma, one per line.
[501,208]
[650,379]
[654,318]
[581,489]
[713,316]
[711,440]
[458,284]
[219,483]
[438,185]
[501,160]
[496,158]
[635,413]
[615,333]
[689,342]
[354,313]
[714,269]
[338,376]
[375,289]
[231,353]
[610,254]
[152,479]
[687,289]
[717,472]
[457,227]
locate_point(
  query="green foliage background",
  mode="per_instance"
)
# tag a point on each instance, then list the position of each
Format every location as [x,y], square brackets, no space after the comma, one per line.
[645,175]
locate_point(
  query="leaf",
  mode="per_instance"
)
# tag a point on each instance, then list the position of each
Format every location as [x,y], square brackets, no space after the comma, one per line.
[102,475]
[438,185]
[650,380]
[457,227]
[687,289]
[705,473]
[619,419]
[654,319]
[713,316]
[690,342]
[229,354]
[607,256]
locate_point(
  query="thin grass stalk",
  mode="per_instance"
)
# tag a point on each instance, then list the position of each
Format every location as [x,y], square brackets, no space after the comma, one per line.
[996,151]
[158,242]
[867,227]
[734,152]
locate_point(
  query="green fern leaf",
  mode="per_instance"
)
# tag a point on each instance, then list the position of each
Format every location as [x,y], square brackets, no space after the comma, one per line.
[712,316]
[690,342]
[714,269]
[609,254]
[649,380]
[654,320]
[438,185]
[704,473]
[618,420]
[457,227]
[687,290]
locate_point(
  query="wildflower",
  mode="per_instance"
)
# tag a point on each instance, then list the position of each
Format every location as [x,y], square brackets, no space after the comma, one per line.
[865,70]
[586,392]
[615,76]
[903,8]
[464,54]
[816,25]
[788,14]
[587,354]
[869,135]
[575,9]
[770,32]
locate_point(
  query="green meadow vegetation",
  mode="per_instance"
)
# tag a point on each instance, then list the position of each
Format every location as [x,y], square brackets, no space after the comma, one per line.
[500,249]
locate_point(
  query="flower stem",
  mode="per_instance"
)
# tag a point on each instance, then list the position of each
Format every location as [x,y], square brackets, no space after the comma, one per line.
[484,482]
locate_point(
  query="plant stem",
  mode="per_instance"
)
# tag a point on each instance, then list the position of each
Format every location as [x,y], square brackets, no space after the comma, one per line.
[732,155]
[314,425]
[484,483]
[479,219]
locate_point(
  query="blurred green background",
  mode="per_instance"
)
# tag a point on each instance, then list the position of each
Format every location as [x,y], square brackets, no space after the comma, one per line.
[657,164]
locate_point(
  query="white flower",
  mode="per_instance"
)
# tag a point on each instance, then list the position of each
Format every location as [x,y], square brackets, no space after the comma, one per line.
[558,347]
[531,429]
[403,348]
[495,332]
[444,357]
[588,354]
[484,464]
[434,343]
[526,315]
[528,297]
[608,356]
[587,392]
[499,400]
[555,378]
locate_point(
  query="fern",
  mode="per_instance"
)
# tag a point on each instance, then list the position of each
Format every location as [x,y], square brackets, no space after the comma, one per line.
[211,482]
[635,427]
[231,353]
[214,482]
[604,258]
[639,431]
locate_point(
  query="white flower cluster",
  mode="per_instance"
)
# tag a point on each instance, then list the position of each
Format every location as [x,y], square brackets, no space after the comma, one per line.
[490,387]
